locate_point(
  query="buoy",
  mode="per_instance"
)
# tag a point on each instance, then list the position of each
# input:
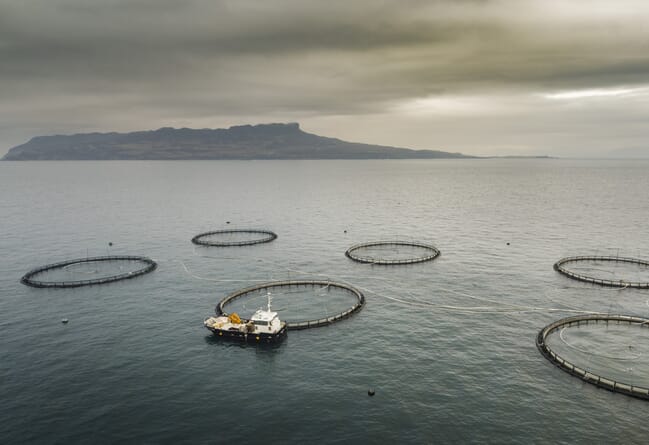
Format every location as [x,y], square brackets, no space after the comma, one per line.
[345,231]
[110,243]
[227,222]
[370,392]
[64,321]
[508,244]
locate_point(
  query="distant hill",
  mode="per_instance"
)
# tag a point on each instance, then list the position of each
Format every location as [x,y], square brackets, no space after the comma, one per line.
[269,141]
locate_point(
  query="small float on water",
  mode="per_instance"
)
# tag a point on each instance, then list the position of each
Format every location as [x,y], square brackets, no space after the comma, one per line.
[263,327]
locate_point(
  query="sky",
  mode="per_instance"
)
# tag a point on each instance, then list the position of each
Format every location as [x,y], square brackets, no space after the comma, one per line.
[567,78]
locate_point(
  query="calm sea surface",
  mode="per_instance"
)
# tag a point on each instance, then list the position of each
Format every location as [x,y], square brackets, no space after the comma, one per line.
[448,345]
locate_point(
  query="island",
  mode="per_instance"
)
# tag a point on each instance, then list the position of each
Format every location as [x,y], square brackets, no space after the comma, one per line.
[264,141]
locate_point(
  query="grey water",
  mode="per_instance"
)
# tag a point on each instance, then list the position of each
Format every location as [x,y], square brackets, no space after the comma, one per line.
[447,345]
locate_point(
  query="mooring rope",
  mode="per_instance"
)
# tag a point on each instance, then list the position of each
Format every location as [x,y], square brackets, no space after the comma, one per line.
[509,308]
[560,302]
[218,280]
[473,309]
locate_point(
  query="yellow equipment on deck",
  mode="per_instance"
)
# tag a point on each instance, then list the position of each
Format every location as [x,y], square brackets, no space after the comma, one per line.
[234,318]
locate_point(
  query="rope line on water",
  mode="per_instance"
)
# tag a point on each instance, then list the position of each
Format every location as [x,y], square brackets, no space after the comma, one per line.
[497,308]
[217,280]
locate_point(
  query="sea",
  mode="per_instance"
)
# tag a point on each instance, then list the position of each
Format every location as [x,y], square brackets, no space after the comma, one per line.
[447,346]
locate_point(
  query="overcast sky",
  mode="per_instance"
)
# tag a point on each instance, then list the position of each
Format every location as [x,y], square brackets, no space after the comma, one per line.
[483,77]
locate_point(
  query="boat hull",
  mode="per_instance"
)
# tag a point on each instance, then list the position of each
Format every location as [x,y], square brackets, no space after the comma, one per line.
[260,337]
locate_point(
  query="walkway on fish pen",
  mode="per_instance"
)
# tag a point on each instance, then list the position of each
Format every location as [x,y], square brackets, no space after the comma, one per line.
[307,324]
[559,267]
[268,237]
[434,253]
[639,392]
[28,280]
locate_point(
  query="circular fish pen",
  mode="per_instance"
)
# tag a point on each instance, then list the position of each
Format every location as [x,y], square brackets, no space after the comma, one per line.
[145,265]
[560,266]
[589,376]
[234,237]
[289,285]
[392,252]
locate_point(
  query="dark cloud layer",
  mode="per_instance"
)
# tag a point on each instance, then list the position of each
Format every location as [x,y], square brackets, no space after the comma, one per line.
[73,65]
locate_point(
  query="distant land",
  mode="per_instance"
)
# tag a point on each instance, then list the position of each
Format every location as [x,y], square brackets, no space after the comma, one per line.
[266,141]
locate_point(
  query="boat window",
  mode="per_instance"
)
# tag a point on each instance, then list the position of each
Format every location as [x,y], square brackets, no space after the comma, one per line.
[261,322]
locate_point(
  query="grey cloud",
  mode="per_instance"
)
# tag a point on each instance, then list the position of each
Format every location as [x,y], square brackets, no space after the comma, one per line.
[135,40]
[164,59]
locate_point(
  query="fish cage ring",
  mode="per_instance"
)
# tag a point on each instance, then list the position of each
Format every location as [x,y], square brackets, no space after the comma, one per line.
[148,265]
[288,284]
[560,266]
[263,236]
[353,253]
[584,374]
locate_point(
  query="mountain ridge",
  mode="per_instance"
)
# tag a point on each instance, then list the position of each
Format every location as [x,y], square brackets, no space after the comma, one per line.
[240,142]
